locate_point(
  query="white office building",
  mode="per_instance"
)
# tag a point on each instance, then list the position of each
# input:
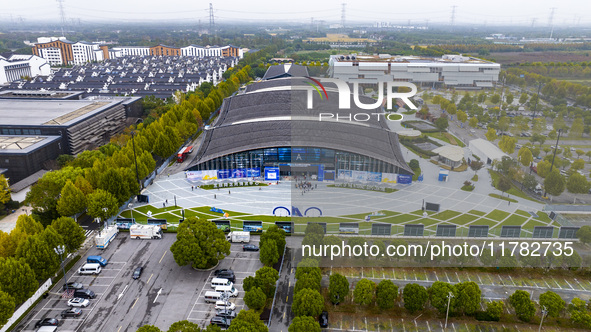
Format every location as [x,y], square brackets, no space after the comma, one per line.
[17,66]
[84,52]
[449,70]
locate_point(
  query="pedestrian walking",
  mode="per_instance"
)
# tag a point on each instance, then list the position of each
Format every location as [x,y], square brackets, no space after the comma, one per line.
[192,187]
[214,196]
[228,192]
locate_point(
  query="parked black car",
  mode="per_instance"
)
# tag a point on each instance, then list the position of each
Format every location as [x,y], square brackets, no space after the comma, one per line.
[250,247]
[47,322]
[72,312]
[220,321]
[225,274]
[84,293]
[73,285]
[137,273]
[323,319]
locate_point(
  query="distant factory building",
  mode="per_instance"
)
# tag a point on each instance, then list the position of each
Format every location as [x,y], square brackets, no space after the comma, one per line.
[455,71]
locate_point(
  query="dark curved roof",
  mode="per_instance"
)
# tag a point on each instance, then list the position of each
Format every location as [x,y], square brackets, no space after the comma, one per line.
[285,70]
[278,117]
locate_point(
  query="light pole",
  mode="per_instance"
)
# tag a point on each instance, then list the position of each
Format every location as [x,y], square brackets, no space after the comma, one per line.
[105,216]
[130,206]
[554,156]
[449,296]
[60,250]
[137,175]
[544,313]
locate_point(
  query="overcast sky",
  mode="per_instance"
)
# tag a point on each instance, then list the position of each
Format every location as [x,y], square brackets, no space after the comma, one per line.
[496,12]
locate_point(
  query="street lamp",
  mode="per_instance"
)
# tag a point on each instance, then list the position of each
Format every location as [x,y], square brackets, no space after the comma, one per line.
[130,206]
[60,250]
[554,156]
[544,313]
[449,296]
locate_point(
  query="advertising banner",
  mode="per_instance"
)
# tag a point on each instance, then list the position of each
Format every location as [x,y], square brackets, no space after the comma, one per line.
[271,173]
[202,175]
[404,179]
[389,177]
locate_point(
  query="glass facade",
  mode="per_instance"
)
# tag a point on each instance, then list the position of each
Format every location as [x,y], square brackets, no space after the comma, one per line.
[299,157]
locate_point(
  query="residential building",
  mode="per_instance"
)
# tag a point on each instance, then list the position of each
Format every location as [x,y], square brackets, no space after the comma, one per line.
[19,66]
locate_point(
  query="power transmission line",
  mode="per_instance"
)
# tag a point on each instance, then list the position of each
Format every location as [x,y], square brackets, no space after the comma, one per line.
[211,20]
[62,14]
[344,5]
[453,15]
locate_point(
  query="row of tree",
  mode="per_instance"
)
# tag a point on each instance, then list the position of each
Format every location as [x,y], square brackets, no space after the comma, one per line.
[28,256]
[272,244]
[246,320]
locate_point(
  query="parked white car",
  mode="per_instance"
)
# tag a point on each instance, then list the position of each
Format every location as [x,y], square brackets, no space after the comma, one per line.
[225,305]
[78,302]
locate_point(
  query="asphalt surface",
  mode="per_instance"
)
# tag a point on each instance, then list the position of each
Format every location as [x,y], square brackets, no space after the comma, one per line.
[165,293]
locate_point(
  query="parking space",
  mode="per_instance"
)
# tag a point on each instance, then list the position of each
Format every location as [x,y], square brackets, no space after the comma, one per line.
[244,264]
[165,293]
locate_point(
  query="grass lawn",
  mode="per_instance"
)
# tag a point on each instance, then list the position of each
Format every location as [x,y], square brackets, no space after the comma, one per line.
[530,224]
[523,213]
[401,218]
[483,221]
[497,215]
[446,138]
[543,217]
[513,191]
[514,220]
[445,215]
[463,219]
[503,198]
[476,212]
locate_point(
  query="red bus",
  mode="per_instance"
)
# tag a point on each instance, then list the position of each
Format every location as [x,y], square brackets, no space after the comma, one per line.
[183,153]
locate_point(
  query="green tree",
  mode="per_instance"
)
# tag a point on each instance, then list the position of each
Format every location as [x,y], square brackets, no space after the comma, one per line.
[113,181]
[100,200]
[164,147]
[268,253]
[17,279]
[524,307]
[578,164]
[307,302]
[28,225]
[439,296]
[554,183]
[364,291]
[523,98]
[309,281]
[504,184]
[462,116]
[415,297]
[544,168]
[4,190]
[304,324]
[71,232]
[255,298]
[491,134]
[509,98]
[495,99]
[7,306]
[266,277]
[247,320]
[186,326]
[576,130]
[199,243]
[40,257]
[553,303]
[577,184]
[530,182]
[473,122]
[441,123]
[338,288]
[249,283]
[507,144]
[277,234]
[584,234]
[504,124]
[468,297]
[494,309]
[149,328]
[72,200]
[386,294]
[525,156]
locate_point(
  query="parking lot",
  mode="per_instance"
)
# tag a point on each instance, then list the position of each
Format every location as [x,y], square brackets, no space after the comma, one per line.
[164,294]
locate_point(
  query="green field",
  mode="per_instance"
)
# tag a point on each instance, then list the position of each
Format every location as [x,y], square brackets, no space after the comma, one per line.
[494,219]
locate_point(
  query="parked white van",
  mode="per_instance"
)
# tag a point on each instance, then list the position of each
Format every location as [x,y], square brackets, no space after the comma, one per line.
[220,282]
[90,268]
[230,289]
[212,297]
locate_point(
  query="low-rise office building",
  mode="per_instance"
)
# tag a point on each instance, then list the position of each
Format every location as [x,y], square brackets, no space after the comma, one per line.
[448,71]
[18,66]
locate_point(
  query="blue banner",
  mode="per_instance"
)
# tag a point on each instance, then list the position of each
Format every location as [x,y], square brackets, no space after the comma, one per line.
[321,172]
[253,172]
[404,179]
[271,173]
[224,173]
[239,173]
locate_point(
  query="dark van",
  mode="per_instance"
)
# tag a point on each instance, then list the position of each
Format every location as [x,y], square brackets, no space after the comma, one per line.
[97,259]
[84,293]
